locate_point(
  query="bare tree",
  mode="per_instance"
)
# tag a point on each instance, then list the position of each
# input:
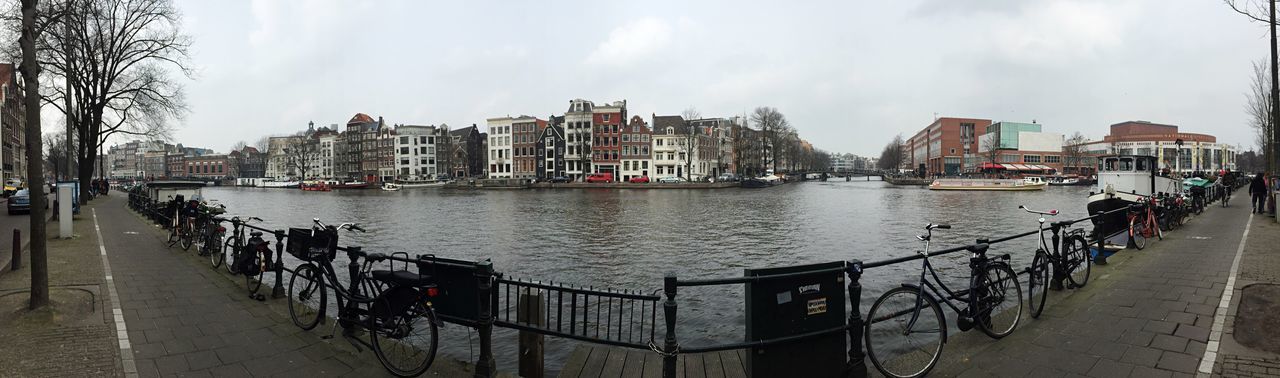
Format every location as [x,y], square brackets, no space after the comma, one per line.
[991,147]
[689,145]
[300,153]
[1073,152]
[773,126]
[1255,12]
[58,155]
[115,57]
[31,31]
[891,158]
[263,144]
[1258,107]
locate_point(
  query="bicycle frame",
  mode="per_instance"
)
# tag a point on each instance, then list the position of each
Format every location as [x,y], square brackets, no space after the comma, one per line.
[976,263]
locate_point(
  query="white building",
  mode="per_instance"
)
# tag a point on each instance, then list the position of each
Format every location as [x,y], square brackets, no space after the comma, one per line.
[279,163]
[415,152]
[323,166]
[499,147]
[668,154]
[577,133]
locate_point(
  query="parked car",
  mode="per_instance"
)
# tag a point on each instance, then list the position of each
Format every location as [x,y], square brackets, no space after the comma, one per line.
[639,180]
[727,177]
[672,180]
[20,201]
[559,179]
[600,177]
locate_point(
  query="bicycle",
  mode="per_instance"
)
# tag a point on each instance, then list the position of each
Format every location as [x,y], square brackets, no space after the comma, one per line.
[211,231]
[1070,260]
[390,304]
[232,245]
[1142,223]
[910,310]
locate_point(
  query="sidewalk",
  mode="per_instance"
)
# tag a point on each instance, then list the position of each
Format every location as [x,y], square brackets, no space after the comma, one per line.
[185,318]
[1257,287]
[74,338]
[1147,314]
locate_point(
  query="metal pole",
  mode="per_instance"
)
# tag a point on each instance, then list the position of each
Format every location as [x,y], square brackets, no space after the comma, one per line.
[1101,258]
[17,250]
[670,345]
[485,367]
[857,365]
[278,290]
[1275,93]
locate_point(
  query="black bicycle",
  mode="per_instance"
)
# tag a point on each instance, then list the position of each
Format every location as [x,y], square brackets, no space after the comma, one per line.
[1069,260]
[232,245]
[394,306]
[905,328]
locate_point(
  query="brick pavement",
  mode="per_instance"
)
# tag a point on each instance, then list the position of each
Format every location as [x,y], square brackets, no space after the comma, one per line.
[1260,264]
[187,319]
[1146,314]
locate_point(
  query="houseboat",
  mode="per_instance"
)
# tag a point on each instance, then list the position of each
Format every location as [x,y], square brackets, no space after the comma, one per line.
[1028,183]
[278,184]
[1124,180]
[318,186]
[761,182]
[410,184]
[350,185]
[391,186]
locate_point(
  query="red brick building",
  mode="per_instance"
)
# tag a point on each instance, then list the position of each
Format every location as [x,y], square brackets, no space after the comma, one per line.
[606,146]
[943,146]
[175,165]
[524,141]
[209,166]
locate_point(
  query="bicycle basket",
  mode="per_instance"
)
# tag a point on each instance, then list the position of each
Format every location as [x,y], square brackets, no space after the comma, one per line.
[308,245]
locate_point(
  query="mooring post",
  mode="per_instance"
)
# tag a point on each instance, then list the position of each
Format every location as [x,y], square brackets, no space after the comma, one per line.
[484,283]
[529,313]
[670,346]
[856,366]
[278,290]
[17,250]
[1101,258]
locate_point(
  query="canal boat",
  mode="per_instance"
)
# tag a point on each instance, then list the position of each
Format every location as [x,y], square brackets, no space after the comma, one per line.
[410,184]
[1068,180]
[391,187]
[315,187]
[350,185]
[1025,184]
[761,182]
[278,184]
[1123,180]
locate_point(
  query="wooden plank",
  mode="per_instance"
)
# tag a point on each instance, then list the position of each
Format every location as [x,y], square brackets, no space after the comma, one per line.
[681,359]
[734,366]
[614,363]
[634,368]
[693,367]
[595,363]
[711,364]
[652,365]
[577,360]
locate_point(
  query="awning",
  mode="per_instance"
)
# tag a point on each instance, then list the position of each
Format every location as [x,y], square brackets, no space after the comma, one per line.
[1012,167]
[991,166]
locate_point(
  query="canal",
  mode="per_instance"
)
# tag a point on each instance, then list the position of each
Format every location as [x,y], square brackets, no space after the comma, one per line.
[628,239]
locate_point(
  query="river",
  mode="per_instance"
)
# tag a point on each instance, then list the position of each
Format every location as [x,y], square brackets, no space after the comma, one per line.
[628,239]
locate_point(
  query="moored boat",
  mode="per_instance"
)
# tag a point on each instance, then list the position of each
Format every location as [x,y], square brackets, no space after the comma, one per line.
[315,187]
[1123,180]
[410,184]
[278,184]
[761,182]
[1028,183]
[391,187]
[350,185]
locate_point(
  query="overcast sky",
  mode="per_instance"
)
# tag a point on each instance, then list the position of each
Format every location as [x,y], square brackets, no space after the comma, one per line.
[849,75]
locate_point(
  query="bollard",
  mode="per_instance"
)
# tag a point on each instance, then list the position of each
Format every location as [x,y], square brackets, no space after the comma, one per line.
[17,250]
[529,312]
[485,367]
[856,367]
[278,290]
[670,348]
[1101,258]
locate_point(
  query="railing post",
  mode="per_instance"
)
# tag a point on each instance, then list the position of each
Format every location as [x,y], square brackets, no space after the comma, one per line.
[530,312]
[1058,274]
[278,290]
[484,283]
[17,250]
[856,367]
[1101,258]
[670,346]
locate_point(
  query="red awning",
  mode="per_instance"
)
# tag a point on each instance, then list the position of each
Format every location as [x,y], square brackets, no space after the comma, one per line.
[990,166]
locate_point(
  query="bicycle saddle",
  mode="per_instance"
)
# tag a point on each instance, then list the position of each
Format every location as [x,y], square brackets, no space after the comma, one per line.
[980,248]
[401,277]
[255,233]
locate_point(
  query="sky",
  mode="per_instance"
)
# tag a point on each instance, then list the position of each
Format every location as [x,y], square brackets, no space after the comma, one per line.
[848,75]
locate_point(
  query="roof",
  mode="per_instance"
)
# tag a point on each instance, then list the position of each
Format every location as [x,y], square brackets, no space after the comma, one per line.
[660,124]
[463,131]
[360,118]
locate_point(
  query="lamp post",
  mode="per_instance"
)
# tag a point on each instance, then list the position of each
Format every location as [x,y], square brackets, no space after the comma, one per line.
[1178,163]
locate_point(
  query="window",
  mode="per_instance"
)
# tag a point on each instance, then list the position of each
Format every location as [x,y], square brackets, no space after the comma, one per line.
[658,142]
[644,150]
[1052,159]
[404,140]
[1031,158]
[671,130]
[644,164]
[606,119]
[626,138]
[646,138]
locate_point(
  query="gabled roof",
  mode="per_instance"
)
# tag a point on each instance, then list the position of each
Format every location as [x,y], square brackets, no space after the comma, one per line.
[552,131]
[660,124]
[360,118]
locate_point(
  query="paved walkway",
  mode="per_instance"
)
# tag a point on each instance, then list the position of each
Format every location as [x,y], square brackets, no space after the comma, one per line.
[1259,272]
[1148,313]
[184,318]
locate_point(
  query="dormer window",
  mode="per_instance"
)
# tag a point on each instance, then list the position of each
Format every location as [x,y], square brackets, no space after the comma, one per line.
[671,130]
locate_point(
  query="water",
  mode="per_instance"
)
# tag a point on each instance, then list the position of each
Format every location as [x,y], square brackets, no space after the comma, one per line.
[628,239]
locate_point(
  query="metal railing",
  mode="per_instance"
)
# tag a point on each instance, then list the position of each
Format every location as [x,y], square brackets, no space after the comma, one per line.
[623,318]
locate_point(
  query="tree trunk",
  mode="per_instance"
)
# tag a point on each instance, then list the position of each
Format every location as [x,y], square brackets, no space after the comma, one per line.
[1274,162]
[35,166]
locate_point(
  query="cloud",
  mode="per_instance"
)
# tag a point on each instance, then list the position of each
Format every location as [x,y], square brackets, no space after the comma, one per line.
[640,39]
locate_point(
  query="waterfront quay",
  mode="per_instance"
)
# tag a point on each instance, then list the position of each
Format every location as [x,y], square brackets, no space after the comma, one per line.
[157,311]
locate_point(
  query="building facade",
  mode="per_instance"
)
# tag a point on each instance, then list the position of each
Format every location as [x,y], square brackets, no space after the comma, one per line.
[13,130]
[607,123]
[175,165]
[469,152]
[525,132]
[635,144]
[1019,146]
[208,166]
[499,147]
[415,152]
[550,151]
[1197,152]
[668,153]
[578,122]
[948,146]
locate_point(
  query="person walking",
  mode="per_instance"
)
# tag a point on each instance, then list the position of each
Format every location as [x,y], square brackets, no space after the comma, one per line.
[1258,193]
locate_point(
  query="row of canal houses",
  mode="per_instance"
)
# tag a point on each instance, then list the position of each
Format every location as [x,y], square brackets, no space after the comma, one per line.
[587,138]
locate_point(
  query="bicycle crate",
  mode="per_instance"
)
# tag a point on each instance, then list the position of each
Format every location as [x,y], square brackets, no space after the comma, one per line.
[312,245]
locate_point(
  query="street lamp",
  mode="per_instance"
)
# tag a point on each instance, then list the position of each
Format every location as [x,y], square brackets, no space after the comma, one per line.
[1178,163]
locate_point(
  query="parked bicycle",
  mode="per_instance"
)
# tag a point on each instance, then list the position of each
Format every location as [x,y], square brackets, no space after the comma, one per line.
[1143,224]
[905,329]
[394,306]
[232,245]
[1069,260]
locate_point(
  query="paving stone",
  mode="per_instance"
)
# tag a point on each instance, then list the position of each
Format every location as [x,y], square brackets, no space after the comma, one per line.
[1178,362]
[1146,372]
[1192,332]
[1160,326]
[1107,368]
[1169,343]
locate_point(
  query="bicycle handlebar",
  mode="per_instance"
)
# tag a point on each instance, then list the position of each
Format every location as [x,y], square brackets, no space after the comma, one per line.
[932,226]
[1049,213]
[348,226]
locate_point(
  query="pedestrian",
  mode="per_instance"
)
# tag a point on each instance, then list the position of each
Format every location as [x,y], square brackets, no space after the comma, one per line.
[1258,192]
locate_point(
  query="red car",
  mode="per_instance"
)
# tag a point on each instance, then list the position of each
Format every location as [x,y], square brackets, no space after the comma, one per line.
[600,177]
[640,180]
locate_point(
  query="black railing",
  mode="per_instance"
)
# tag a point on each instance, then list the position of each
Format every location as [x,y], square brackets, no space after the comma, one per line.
[605,316]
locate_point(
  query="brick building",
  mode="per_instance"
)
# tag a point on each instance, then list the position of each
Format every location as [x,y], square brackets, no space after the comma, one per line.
[636,156]
[13,134]
[941,147]
[525,131]
[1197,152]
[606,147]
[209,166]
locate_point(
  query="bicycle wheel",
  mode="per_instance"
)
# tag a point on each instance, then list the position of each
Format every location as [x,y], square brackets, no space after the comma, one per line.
[173,236]
[898,347]
[306,296]
[1076,254]
[229,250]
[999,300]
[406,343]
[216,254]
[186,236]
[253,277]
[1136,231]
[1037,283]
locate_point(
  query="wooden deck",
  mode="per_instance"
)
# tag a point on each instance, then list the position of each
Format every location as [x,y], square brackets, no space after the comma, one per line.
[607,362]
